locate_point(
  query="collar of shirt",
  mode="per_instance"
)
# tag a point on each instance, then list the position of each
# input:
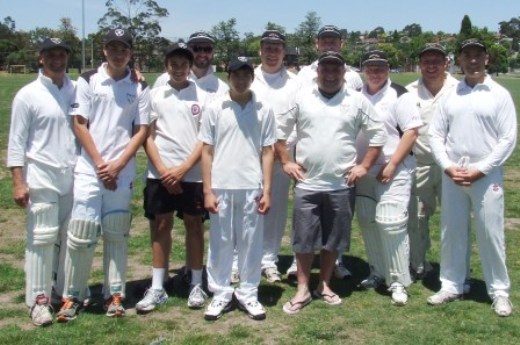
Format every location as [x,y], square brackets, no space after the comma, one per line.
[382,91]
[487,84]
[47,82]
[106,78]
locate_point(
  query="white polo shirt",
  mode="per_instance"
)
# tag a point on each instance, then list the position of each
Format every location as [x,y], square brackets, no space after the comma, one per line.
[40,129]
[427,104]
[209,82]
[177,116]
[278,90]
[398,110]
[478,122]
[308,74]
[326,130]
[238,137]
[112,109]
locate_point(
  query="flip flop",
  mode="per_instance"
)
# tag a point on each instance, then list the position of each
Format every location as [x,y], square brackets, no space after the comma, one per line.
[288,307]
[332,299]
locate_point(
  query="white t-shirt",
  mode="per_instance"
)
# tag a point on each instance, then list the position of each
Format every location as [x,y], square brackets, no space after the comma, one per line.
[308,73]
[398,110]
[40,129]
[112,109]
[238,137]
[209,82]
[177,115]
[427,104]
[278,90]
[326,130]
[478,122]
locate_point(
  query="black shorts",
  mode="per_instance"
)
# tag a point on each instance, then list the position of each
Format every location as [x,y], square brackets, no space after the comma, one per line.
[157,200]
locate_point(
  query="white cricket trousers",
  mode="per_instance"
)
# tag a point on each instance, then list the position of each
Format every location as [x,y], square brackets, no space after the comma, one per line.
[237,223]
[486,198]
[276,219]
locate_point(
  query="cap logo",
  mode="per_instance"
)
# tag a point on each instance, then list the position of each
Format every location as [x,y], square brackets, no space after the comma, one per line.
[55,40]
[183,45]
[119,32]
[374,56]
[242,59]
[273,35]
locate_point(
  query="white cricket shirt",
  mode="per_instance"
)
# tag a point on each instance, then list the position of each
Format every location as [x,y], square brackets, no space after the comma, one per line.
[308,74]
[209,82]
[238,136]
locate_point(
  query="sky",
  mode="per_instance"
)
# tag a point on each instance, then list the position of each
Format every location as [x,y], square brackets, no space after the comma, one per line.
[186,17]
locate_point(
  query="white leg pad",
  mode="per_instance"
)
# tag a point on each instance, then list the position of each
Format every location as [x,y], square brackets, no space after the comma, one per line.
[42,232]
[116,228]
[366,211]
[392,219]
[82,237]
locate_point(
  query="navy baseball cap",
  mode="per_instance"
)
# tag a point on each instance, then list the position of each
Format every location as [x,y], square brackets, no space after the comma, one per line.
[472,42]
[53,42]
[331,56]
[119,35]
[201,37]
[273,36]
[432,47]
[329,31]
[375,57]
[180,48]
[239,63]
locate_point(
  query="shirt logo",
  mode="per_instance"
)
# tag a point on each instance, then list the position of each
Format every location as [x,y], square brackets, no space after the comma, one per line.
[130,97]
[195,109]
[495,187]
[74,105]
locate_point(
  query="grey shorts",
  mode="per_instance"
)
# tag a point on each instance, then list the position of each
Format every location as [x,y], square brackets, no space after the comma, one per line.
[322,218]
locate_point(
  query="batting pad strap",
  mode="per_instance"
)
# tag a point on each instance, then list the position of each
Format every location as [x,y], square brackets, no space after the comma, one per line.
[43,221]
[116,225]
[82,233]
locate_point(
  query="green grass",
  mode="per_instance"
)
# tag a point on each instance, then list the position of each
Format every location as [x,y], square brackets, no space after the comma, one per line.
[366,317]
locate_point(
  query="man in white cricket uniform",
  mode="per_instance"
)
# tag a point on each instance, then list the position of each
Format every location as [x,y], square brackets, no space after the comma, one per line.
[324,113]
[174,181]
[329,38]
[110,117]
[275,86]
[202,45]
[434,82]
[238,133]
[472,134]
[41,155]
[384,194]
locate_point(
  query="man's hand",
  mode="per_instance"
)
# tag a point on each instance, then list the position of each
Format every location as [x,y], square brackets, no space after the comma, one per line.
[463,176]
[211,203]
[294,170]
[386,174]
[355,174]
[21,195]
[264,203]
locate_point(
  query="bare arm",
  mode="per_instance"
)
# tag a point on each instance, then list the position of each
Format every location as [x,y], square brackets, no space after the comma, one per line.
[267,172]
[403,150]
[210,201]
[291,168]
[360,170]
[20,189]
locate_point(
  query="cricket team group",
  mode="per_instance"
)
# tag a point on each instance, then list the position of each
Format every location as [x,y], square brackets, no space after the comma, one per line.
[229,153]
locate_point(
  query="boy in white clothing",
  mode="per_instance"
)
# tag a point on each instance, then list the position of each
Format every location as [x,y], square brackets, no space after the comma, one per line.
[238,133]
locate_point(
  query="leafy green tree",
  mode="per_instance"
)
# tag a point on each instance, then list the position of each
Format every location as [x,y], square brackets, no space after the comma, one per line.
[412,30]
[228,41]
[305,36]
[511,29]
[466,29]
[141,17]
[498,59]
[274,26]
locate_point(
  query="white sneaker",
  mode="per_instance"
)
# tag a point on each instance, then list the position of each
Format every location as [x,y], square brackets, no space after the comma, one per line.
[152,299]
[235,277]
[254,309]
[41,311]
[292,270]
[399,294]
[502,306]
[272,275]
[443,297]
[216,309]
[197,297]
[341,272]
[371,282]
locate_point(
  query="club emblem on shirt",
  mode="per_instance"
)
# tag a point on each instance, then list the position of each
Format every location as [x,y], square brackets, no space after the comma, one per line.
[130,97]
[495,187]
[195,109]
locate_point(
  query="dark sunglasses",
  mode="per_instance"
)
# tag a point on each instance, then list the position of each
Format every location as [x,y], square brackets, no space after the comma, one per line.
[198,49]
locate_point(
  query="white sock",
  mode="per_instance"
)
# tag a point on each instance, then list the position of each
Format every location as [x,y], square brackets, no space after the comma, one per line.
[157,278]
[196,277]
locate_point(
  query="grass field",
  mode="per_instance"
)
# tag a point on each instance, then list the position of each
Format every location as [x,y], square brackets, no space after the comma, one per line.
[365,317]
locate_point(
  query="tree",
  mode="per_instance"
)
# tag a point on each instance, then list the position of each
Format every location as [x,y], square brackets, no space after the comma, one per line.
[274,26]
[466,30]
[304,37]
[498,60]
[412,30]
[511,29]
[67,32]
[228,41]
[141,17]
